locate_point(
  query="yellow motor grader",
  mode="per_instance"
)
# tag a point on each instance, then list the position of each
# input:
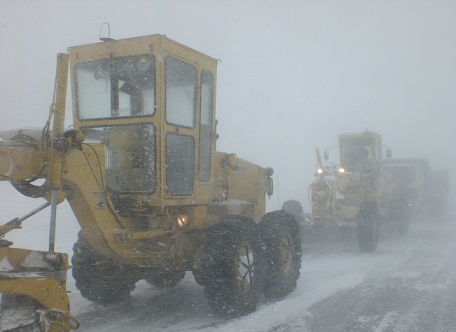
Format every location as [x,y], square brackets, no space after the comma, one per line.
[355,191]
[154,199]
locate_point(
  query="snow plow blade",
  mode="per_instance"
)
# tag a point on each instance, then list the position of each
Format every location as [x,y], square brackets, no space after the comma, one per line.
[33,288]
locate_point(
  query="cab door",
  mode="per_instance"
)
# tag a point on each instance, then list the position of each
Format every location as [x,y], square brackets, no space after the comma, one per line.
[181,96]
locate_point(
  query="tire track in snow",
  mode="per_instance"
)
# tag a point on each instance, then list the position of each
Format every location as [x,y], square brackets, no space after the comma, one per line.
[403,295]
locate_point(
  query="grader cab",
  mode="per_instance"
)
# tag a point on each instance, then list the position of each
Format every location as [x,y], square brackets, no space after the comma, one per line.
[353,191]
[154,199]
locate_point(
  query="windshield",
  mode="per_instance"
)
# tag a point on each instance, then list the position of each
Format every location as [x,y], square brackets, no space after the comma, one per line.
[115,87]
[356,154]
[129,156]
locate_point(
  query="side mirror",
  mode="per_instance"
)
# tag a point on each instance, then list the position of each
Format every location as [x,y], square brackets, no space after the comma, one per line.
[268,187]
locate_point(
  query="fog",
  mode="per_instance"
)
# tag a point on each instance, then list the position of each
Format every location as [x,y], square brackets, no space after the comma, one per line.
[293,74]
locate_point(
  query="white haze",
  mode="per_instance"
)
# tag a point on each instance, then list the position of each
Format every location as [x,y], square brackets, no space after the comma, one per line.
[293,74]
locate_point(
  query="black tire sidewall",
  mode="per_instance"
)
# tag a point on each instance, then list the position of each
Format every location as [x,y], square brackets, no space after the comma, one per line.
[275,227]
[98,278]
[368,231]
[220,267]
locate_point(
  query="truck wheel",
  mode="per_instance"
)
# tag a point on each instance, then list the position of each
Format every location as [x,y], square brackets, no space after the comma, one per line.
[230,263]
[400,216]
[368,229]
[98,278]
[281,243]
[164,279]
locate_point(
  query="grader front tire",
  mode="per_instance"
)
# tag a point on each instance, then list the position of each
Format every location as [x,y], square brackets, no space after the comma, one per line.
[98,278]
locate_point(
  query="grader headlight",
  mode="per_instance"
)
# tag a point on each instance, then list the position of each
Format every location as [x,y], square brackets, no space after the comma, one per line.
[183,220]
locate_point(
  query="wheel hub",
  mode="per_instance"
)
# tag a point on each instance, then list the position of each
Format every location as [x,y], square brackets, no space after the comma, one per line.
[286,257]
[245,264]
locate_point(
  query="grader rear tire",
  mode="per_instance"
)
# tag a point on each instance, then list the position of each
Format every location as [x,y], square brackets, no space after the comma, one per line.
[294,207]
[281,244]
[368,228]
[231,268]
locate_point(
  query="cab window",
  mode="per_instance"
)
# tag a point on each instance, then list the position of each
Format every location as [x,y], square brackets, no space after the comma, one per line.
[180,165]
[180,92]
[129,156]
[115,87]
[205,134]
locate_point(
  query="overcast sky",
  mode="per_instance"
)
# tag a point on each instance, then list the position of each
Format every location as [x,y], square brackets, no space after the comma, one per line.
[293,74]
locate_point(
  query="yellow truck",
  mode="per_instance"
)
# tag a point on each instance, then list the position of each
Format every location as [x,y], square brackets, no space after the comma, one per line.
[154,198]
[424,190]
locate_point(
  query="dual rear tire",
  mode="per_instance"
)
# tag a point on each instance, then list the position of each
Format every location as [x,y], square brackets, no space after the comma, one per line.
[231,267]
[281,254]
[242,260]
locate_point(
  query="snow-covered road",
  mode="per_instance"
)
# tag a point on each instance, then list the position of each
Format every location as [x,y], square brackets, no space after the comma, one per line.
[408,284]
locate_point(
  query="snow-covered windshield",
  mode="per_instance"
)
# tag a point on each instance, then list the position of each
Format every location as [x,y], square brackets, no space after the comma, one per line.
[357,154]
[129,156]
[115,87]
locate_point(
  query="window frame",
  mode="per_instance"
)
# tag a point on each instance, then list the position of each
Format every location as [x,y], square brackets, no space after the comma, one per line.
[195,91]
[112,88]
[204,173]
